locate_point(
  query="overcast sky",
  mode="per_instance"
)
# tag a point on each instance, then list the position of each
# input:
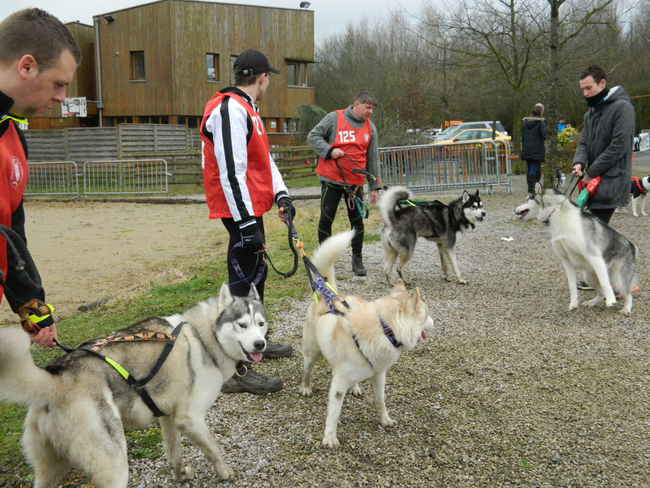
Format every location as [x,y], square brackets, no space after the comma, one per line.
[330,16]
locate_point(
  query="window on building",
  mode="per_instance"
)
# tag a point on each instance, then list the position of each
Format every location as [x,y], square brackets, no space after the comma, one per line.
[212,67]
[137,65]
[296,73]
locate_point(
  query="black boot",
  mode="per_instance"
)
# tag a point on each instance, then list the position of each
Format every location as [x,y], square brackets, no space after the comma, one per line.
[357,265]
[530,180]
[275,351]
[251,382]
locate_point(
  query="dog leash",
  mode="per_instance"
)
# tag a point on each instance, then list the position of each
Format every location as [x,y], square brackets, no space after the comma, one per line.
[265,257]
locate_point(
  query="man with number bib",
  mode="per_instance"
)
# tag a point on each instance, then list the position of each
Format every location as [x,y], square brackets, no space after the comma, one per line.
[241,184]
[346,140]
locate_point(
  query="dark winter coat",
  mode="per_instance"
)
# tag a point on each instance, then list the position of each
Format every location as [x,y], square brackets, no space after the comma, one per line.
[533,135]
[605,148]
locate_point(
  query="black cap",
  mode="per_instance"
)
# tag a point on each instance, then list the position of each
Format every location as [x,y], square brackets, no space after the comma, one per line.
[252,62]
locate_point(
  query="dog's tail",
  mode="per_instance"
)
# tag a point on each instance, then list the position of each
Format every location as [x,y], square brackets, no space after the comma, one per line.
[388,201]
[328,252]
[21,381]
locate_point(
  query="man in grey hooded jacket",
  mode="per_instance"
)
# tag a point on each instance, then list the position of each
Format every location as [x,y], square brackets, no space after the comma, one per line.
[605,147]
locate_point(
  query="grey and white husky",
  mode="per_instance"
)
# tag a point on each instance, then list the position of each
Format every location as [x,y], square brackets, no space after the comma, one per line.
[79,404]
[434,221]
[584,242]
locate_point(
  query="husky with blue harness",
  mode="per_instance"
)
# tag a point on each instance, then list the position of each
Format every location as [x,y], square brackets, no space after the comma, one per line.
[360,339]
[165,368]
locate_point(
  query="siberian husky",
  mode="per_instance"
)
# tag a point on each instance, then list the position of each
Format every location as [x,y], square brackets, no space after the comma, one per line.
[434,221]
[639,188]
[361,341]
[582,241]
[79,404]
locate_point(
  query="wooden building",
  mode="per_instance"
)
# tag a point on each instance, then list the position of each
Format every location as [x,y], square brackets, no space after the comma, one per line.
[161,62]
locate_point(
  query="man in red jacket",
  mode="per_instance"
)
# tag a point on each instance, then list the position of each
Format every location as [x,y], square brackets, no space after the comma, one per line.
[241,184]
[38,58]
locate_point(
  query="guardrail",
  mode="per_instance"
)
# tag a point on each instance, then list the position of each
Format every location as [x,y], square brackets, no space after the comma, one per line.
[53,178]
[443,166]
[125,177]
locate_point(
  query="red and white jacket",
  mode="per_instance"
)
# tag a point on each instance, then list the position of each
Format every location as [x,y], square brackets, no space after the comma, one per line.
[241,179]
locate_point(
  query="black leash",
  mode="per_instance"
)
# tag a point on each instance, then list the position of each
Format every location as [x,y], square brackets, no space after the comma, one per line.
[265,257]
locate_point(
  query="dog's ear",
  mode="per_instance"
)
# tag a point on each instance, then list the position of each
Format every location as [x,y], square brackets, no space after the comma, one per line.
[225,297]
[465,196]
[477,192]
[538,189]
[399,287]
[417,300]
[253,295]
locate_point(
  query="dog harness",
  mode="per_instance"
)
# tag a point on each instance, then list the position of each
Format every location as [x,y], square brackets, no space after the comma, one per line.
[388,332]
[95,347]
[642,190]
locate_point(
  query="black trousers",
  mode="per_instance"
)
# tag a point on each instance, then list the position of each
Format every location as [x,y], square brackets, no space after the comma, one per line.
[330,196]
[604,214]
[249,262]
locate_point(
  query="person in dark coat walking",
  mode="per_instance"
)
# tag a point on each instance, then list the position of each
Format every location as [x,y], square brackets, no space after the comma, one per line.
[533,151]
[605,147]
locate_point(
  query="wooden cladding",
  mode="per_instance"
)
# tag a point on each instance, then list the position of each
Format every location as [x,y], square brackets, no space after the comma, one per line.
[178,40]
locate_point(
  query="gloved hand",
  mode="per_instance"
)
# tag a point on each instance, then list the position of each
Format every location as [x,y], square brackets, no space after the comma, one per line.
[251,237]
[286,203]
[33,314]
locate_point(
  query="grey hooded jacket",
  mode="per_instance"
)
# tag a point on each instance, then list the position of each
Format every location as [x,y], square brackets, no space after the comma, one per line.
[605,148]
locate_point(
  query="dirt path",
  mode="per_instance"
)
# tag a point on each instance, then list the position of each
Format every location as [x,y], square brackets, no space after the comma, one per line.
[86,251]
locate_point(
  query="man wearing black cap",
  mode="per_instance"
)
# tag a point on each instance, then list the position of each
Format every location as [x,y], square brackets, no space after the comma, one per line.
[241,184]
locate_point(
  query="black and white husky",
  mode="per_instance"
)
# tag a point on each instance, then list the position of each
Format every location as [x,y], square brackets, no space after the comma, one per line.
[79,404]
[584,242]
[434,221]
[639,188]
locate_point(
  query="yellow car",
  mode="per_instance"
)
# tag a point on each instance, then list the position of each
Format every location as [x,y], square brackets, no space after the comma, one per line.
[475,135]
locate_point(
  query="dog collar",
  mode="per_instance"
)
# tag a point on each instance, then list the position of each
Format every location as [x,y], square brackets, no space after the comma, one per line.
[388,332]
[639,185]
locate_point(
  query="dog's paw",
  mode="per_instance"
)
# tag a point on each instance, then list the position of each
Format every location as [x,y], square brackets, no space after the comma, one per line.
[636,214]
[226,472]
[330,441]
[305,391]
[186,473]
[573,305]
[355,390]
[593,303]
[625,311]
[462,281]
[386,421]
[644,214]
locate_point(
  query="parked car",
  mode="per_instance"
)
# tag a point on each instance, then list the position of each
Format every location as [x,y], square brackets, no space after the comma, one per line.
[450,132]
[475,135]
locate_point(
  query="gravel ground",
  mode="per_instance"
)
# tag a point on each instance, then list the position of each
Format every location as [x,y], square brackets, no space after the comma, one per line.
[512,389]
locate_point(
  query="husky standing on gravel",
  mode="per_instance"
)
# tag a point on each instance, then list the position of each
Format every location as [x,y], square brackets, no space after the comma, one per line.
[79,404]
[434,221]
[583,241]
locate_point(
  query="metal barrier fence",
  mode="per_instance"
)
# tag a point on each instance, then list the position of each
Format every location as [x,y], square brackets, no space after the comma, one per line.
[125,176]
[55,178]
[443,166]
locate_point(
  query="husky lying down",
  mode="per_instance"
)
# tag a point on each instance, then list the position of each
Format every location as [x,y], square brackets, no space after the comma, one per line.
[356,342]
[79,404]
[584,242]
[434,221]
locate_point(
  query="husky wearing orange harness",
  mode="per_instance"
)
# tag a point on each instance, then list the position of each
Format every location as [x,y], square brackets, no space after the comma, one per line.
[639,189]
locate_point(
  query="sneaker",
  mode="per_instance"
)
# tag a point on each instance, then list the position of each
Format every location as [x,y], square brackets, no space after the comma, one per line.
[581,285]
[618,295]
[357,265]
[252,383]
[275,351]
